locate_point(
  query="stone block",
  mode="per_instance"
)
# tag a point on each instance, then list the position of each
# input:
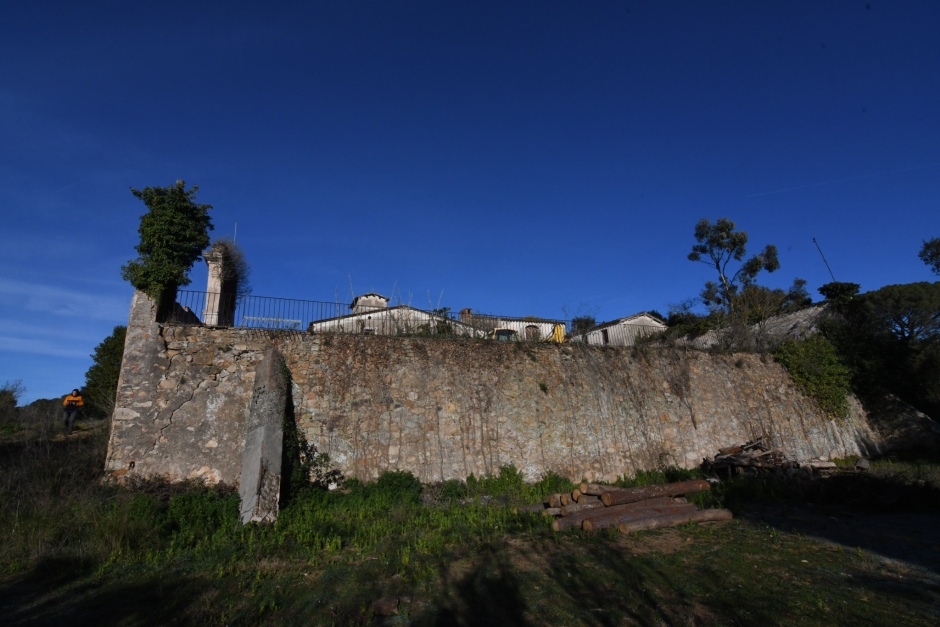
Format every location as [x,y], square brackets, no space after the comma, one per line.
[260,483]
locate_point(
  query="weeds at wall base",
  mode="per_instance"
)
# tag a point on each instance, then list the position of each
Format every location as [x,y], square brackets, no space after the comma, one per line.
[332,553]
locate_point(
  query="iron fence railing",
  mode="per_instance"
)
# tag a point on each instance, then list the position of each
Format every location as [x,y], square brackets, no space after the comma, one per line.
[286,314]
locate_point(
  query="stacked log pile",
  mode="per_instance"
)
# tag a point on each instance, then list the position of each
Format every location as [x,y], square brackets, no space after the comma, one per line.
[756,458]
[592,507]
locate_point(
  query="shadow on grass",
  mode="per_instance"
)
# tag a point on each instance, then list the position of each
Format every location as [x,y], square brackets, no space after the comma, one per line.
[64,592]
[490,594]
[892,510]
[739,578]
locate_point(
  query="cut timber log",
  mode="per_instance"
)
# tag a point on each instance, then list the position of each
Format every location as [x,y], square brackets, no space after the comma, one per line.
[570,510]
[673,520]
[632,495]
[587,498]
[595,489]
[750,458]
[533,509]
[552,511]
[554,500]
[576,495]
[575,520]
[565,499]
[602,519]
[818,465]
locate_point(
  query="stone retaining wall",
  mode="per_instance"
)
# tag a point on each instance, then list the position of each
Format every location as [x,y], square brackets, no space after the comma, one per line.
[444,409]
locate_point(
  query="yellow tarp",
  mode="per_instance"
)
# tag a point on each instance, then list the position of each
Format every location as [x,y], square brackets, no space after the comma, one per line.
[558,334]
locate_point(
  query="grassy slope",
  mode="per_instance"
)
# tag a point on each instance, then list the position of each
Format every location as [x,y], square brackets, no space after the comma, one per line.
[79,552]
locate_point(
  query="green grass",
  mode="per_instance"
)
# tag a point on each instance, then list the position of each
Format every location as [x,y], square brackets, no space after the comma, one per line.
[80,552]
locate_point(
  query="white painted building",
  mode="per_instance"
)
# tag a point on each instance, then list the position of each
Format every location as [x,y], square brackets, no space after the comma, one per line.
[371,315]
[529,328]
[621,332]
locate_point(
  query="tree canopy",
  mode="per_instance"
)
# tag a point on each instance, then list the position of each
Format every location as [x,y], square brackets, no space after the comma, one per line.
[719,245]
[839,294]
[930,254]
[581,324]
[173,234]
[909,312]
[890,339]
[101,380]
[756,303]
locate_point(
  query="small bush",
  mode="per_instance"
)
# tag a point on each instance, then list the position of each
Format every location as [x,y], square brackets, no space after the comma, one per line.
[510,483]
[398,486]
[552,483]
[453,489]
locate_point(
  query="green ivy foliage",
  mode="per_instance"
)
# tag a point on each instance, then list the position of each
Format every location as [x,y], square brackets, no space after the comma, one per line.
[818,372]
[173,234]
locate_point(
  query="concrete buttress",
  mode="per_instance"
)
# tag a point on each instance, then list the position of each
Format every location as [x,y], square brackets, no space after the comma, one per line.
[260,483]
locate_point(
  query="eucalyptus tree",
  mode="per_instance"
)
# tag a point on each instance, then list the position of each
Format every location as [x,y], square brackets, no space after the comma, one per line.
[723,248]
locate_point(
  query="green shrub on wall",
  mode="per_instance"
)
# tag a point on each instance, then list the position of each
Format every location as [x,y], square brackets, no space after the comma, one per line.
[818,372]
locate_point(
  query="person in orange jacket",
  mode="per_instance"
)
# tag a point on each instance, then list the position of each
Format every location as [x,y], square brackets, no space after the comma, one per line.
[73,403]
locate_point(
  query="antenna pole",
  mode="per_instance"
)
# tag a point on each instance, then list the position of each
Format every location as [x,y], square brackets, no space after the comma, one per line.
[824,260]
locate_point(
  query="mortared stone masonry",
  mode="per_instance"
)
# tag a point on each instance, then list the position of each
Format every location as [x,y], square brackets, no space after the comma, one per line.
[208,403]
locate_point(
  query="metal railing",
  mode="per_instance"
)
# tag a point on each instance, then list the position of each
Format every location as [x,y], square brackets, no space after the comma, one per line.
[286,314]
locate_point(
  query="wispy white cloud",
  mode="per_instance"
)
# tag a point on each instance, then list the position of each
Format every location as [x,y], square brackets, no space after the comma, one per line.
[66,332]
[58,301]
[38,346]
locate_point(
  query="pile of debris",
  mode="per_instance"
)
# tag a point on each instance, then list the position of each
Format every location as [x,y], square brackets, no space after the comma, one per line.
[755,458]
[594,506]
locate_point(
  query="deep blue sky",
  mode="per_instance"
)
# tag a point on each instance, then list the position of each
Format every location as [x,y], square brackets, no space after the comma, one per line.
[520,157]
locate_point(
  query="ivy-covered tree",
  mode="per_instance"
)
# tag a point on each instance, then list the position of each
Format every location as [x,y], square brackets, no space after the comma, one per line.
[719,245]
[173,234]
[930,254]
[101,380]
